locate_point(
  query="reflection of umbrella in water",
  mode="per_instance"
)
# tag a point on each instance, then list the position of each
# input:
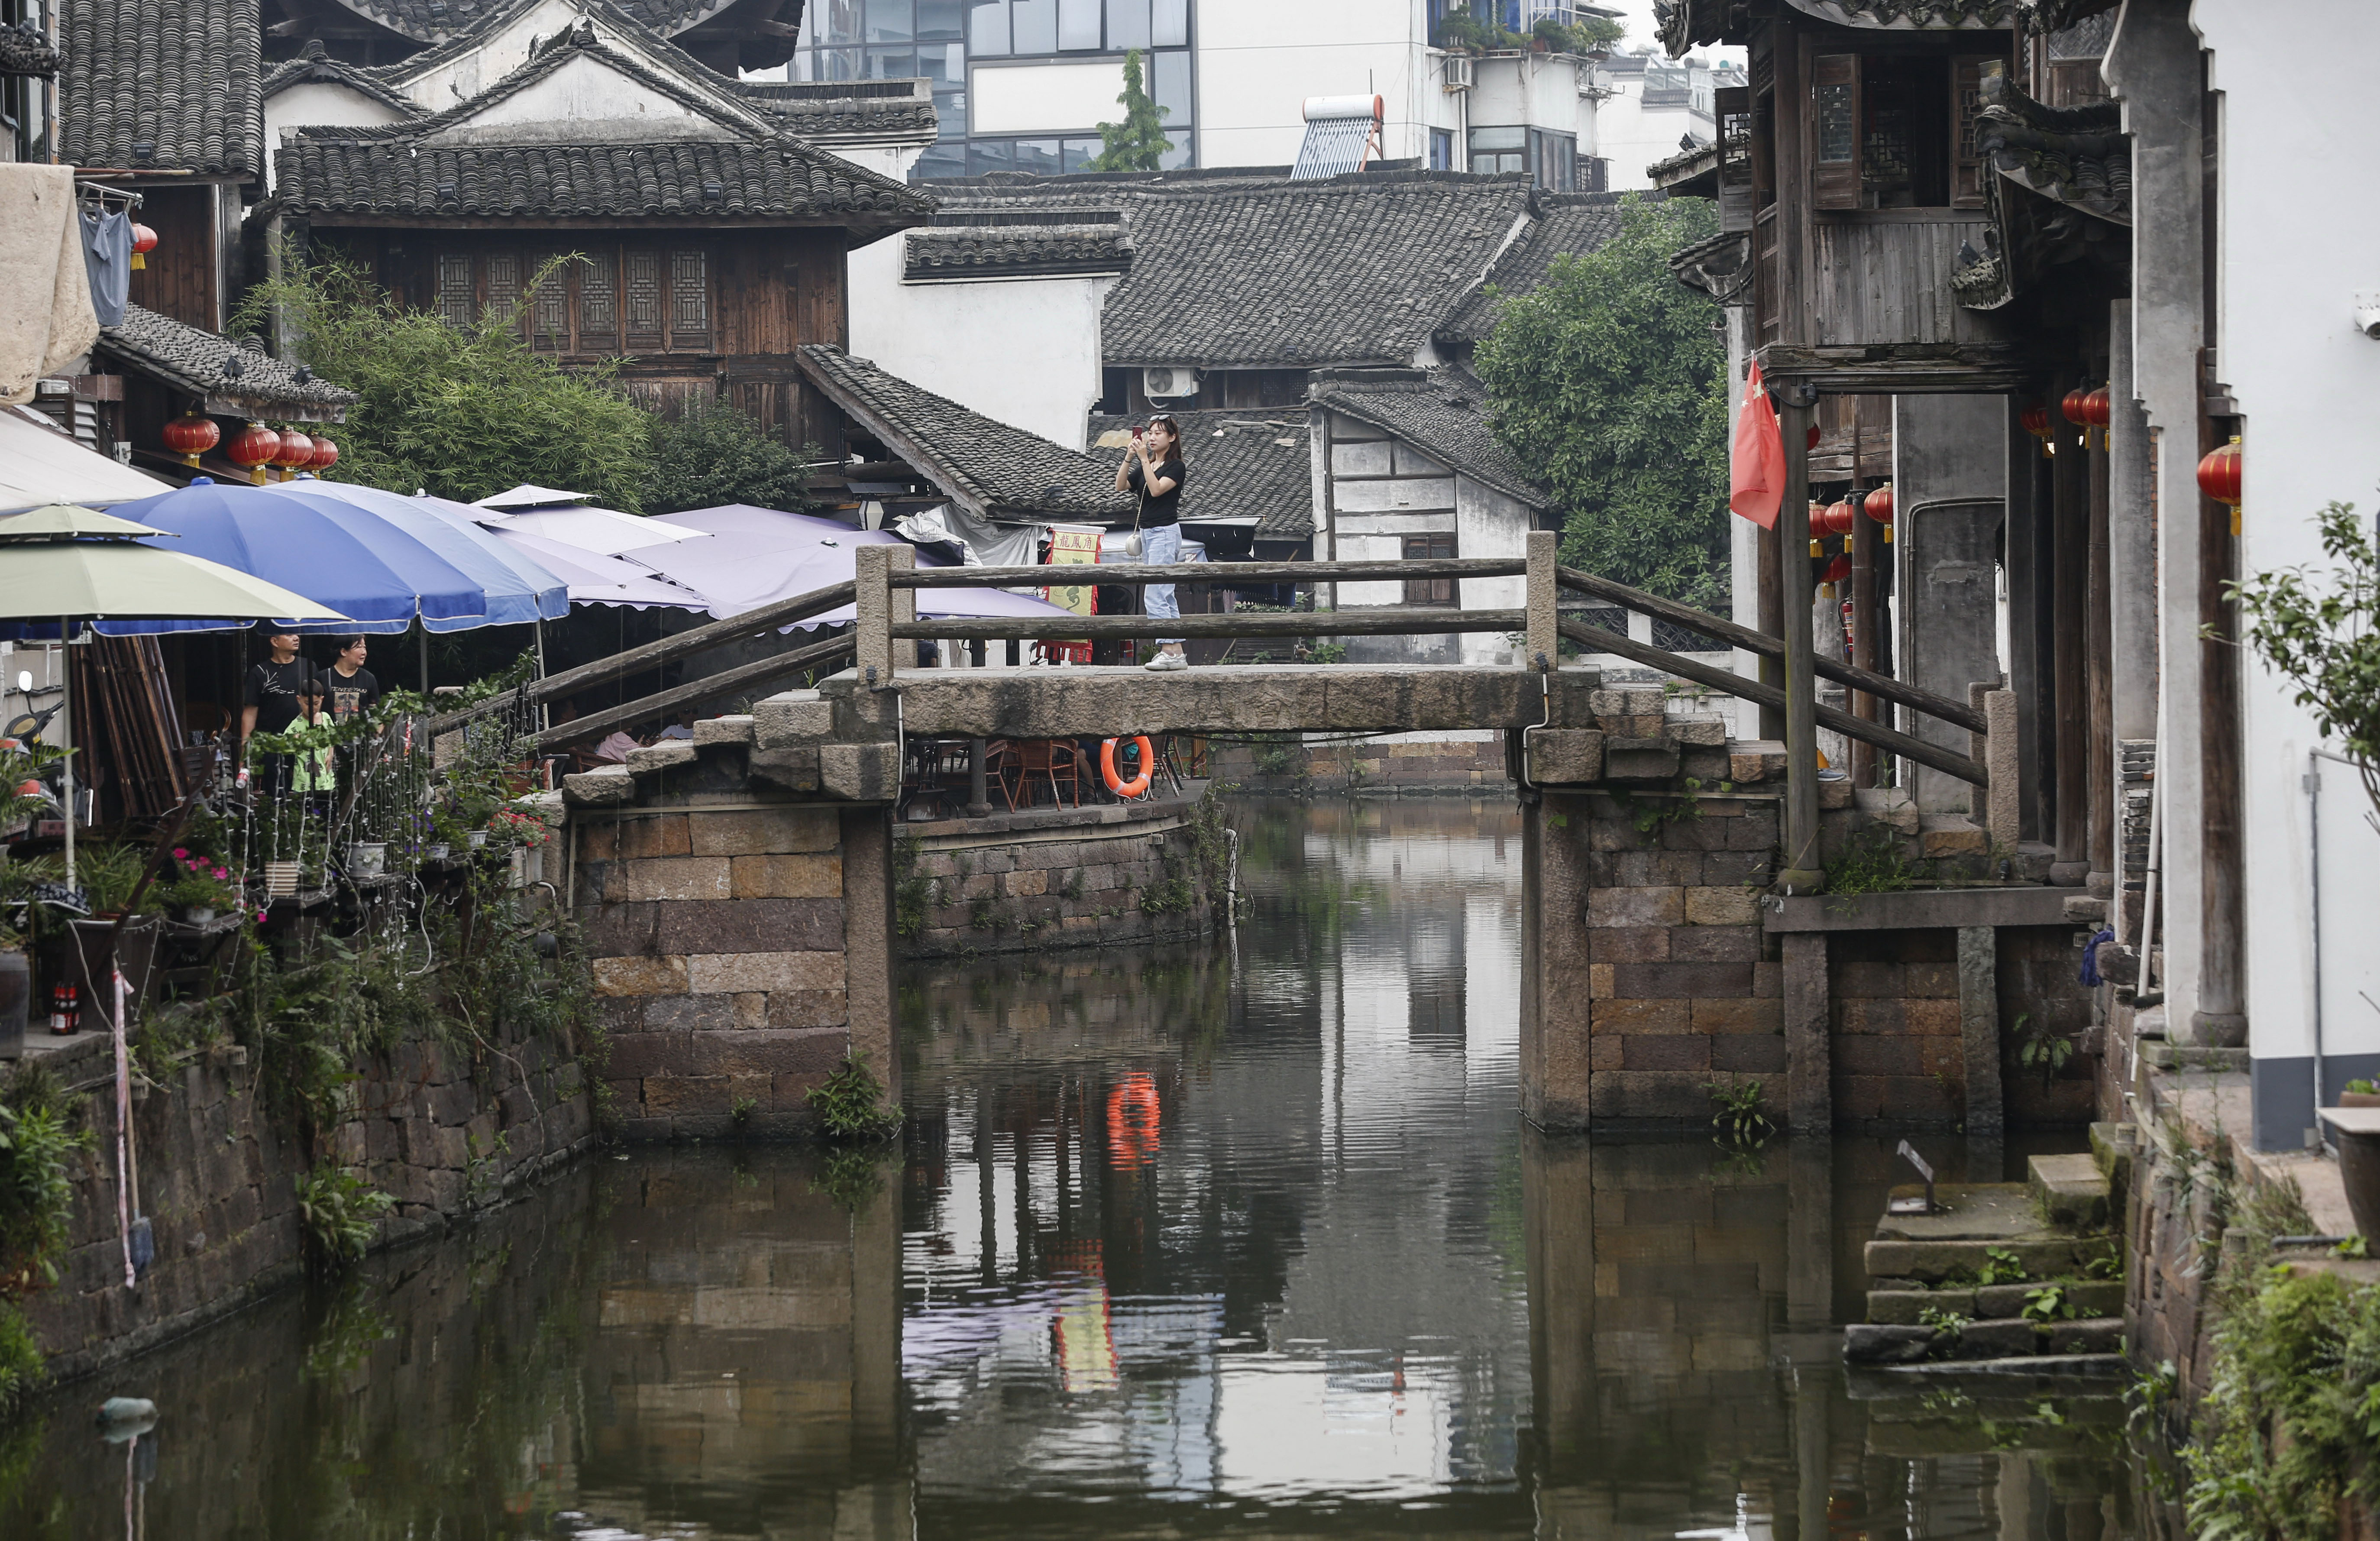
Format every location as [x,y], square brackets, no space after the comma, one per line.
[68,565]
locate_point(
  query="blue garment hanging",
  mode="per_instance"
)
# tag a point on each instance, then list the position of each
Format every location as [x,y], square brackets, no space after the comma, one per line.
[107,258]
[2091,954]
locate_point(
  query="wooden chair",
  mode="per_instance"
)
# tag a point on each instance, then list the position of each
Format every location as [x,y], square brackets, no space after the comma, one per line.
[1045,759]
[999,763]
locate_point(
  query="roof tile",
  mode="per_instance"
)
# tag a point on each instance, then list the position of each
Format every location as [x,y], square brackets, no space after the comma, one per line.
[176,87]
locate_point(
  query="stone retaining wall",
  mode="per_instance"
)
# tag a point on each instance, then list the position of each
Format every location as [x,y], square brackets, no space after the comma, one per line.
[217,1178]
[735,945]
[1395,765]
[1052,878]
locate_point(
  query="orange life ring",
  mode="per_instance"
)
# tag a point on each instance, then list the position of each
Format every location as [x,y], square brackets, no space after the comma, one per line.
[1116,783]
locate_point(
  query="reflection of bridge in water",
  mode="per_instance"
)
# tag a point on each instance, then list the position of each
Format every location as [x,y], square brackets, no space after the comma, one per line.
[1336,1291]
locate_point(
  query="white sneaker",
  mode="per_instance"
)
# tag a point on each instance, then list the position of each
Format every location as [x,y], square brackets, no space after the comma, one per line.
[1166,663]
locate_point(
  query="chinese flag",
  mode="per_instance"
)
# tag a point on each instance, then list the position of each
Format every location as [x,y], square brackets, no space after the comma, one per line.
[1756,465]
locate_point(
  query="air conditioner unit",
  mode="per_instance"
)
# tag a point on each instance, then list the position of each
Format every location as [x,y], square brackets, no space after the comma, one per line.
[1163,384]
[1455,73]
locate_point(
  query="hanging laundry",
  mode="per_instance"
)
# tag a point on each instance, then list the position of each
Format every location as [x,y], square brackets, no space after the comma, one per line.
[38,252]
[107,258]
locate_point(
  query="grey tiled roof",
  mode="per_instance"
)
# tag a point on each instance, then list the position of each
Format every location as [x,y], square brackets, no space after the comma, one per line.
[954,253]
[749,172]
[172,84]
[429,20]
[695,179]
[1246,269]
[831,109]
[1442,412]
[989,468]
[1244,463]
[1355,270]
[190,358]
[1566,224]
[316,67]
[1685,24]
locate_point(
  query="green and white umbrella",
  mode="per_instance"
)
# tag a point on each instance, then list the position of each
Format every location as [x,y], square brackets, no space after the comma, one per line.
[69,564]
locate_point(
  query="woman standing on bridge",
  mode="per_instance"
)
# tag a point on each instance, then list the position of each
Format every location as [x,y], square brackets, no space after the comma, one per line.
[1153,469]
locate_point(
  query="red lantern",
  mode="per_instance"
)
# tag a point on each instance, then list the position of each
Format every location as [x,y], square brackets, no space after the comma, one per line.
[1879,504]
[2218,478]
[2074,408]
[2098,407]
[1814,435]
[296,453]
[326,455]
[253,448]
[1836,519]
[144,241]
[192,435]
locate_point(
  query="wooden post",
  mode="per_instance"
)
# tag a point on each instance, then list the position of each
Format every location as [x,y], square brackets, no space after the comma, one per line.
[2221,1019]
[1802,870]
[1544,635]
[2098,693]
[1771,622]
[1866,537]
[2070,562]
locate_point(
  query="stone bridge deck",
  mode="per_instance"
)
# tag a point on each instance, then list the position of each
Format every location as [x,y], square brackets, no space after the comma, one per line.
[1076,702]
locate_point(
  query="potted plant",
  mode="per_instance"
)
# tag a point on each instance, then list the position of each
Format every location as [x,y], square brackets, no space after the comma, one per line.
[513,828]
[2359,1093]
[196,888]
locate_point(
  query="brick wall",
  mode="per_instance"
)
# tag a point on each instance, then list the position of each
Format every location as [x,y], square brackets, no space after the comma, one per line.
[724,941]
[217,1179]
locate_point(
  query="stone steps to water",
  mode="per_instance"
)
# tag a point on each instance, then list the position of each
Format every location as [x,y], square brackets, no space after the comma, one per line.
[1955,1286]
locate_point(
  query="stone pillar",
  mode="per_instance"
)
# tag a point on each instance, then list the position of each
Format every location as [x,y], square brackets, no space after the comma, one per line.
[1809,1058]
[1545,640]
[1950,499]
[1556,985]
[867,900]
[879,606]
[2155,64]
[1979,1030]
[2131,642]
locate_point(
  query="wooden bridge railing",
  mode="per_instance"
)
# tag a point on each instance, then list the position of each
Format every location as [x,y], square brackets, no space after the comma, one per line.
[884,595]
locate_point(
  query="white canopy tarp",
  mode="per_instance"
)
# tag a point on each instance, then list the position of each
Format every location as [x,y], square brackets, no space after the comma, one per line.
[40,464]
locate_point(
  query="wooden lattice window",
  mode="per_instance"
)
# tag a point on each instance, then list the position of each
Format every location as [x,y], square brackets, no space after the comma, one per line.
[1834,131]
[644,301]
[549,313]
[503,284]
[598,302]
[1966,155]
[1436,591]
[456,289]
[690,300]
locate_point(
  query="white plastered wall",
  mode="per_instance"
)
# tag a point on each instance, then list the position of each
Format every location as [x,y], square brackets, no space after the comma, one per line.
[1023,351]
[319,102]
[1258,60]
[2293,253]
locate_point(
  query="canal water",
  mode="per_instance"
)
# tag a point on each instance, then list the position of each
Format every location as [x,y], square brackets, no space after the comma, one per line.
[1242,1239]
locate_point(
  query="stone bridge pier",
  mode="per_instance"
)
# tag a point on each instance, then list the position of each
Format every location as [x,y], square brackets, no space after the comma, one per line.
[738,894]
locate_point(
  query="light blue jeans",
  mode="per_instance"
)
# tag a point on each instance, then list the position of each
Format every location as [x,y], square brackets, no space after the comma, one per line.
[1161,545]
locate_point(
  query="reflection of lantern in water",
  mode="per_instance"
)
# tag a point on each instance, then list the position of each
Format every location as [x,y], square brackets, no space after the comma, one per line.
[1132,1119]
[1085,1341]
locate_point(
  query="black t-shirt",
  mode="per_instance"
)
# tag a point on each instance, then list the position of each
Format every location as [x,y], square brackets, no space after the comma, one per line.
[1156,510]
[273,691]
[350,694]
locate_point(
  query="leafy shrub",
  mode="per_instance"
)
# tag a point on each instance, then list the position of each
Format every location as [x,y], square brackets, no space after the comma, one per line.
[21,1369]
[341,1210]
[850,1104]
[37,1141]
[717,453]
[1742,1114]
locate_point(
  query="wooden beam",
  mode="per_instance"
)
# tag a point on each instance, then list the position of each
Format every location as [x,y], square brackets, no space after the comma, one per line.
[1228,573]
[1949,762]
[1386,621]
[1766,646]
[1802,869]
[740,681]
[669,649]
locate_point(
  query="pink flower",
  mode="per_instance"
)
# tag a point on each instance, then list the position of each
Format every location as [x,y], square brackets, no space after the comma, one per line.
[181,852]
[260,917]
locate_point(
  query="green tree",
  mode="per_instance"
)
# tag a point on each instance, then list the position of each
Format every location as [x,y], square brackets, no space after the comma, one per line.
[1138,143]
[717,453]
[461,411]
[1608,383]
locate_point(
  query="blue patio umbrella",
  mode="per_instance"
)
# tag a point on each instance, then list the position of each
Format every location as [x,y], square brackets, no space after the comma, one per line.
[519,591]
[366,568]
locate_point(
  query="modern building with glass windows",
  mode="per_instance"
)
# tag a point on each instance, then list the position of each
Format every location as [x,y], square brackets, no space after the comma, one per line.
[1024,85]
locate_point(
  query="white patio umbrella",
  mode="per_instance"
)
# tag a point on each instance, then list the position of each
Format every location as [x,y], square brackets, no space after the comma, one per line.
[68,565]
